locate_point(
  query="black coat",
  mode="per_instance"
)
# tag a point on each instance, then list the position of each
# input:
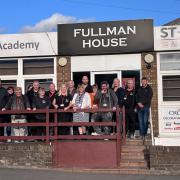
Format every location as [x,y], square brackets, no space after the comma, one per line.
[144,95]
[51,98]
[3,97]
[40,103]
[31,95]
[120,92]
[89,89]
[129,99]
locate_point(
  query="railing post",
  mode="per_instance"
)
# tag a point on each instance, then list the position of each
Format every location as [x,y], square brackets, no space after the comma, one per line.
[55,131]
[118,137]
[47,126]
[56,125]
[124,125]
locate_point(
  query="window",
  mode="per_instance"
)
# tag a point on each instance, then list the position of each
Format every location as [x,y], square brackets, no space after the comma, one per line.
[8,67]
[7,83]
[38,66]
[44,83]
[105,77]
[77,77]
[129,74]
[171,88]
[169,62]
[170,75]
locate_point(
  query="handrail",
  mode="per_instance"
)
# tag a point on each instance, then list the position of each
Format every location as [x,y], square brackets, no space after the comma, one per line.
[48,124]
[56,123]
[57,110]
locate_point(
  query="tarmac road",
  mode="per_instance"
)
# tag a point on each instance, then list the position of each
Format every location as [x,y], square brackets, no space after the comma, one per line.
[26,174]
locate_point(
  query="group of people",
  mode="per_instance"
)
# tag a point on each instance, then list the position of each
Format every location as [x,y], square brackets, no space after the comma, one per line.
[84,96]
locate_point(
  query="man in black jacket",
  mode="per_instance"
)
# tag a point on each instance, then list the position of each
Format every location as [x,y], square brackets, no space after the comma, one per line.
[3,101]
[129,102]
[143,99]
[31,94]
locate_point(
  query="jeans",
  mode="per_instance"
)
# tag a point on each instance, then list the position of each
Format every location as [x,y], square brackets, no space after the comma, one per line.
[143,116]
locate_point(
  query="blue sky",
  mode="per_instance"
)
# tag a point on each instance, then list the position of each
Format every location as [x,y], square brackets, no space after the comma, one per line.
[43,15]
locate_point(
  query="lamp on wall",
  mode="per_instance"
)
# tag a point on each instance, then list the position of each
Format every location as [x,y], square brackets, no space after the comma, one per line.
[148,58]
[62,61]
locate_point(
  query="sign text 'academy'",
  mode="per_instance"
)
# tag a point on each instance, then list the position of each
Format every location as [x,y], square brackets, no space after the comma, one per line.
[19,45]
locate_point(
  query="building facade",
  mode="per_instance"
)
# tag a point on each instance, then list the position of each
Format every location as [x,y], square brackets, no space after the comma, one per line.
[103,51]
[167,46]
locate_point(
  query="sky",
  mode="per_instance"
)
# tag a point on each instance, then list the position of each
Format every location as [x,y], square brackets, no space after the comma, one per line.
[24,16]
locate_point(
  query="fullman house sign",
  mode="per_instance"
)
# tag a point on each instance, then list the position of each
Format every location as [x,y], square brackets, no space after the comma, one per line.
[106,37]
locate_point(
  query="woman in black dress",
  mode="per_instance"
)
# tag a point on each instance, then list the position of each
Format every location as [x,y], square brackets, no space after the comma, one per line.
[62,100]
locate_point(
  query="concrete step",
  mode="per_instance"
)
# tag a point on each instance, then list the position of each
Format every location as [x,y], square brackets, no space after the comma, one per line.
[134,171]
[138,164]
[133,148]
[115,170]
[138,141]
[132,155]
[135,142]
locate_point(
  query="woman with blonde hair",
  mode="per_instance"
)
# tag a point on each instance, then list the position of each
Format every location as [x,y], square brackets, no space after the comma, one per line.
[81,100]
[62,100]
[119,91]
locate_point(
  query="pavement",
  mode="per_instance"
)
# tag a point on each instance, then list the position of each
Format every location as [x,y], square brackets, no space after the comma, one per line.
[29,174]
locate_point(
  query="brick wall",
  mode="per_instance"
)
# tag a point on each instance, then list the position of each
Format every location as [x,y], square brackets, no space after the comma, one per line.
[63,73]
[26,155]
[165,158]
[151,74]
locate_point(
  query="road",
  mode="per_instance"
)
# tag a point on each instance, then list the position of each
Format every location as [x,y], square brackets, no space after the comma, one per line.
[21,174]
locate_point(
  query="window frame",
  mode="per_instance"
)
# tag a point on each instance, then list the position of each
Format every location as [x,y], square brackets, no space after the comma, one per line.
[160,75]
[10,59]
[38,58]
[20,78]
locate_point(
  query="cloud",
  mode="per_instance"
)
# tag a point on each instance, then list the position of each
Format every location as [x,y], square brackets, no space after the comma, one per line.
[2,30]
[50,24]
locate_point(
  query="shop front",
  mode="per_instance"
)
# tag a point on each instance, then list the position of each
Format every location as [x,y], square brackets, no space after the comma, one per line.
[167,45]
[102,51]
[28,57]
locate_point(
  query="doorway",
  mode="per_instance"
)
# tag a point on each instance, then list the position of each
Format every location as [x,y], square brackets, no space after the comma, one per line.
[98,77]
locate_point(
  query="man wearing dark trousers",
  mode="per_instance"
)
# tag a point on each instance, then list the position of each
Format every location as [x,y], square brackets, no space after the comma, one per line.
[143,99]
[31,94]
[129,102]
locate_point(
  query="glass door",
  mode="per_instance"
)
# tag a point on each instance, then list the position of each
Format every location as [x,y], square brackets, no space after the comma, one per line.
[98,77]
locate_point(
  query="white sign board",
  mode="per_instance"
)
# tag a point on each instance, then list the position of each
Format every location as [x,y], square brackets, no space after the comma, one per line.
[167,38]
[29,44]
[169,120]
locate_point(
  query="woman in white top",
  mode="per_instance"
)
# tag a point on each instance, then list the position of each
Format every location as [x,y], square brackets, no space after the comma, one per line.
[81,100]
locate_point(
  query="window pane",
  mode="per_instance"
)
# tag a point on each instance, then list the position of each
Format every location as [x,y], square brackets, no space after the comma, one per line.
[8,67]
[77,77]
[8,83]
[38,66]
[44,83]
[104,77]
[171,88]
[170,61]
